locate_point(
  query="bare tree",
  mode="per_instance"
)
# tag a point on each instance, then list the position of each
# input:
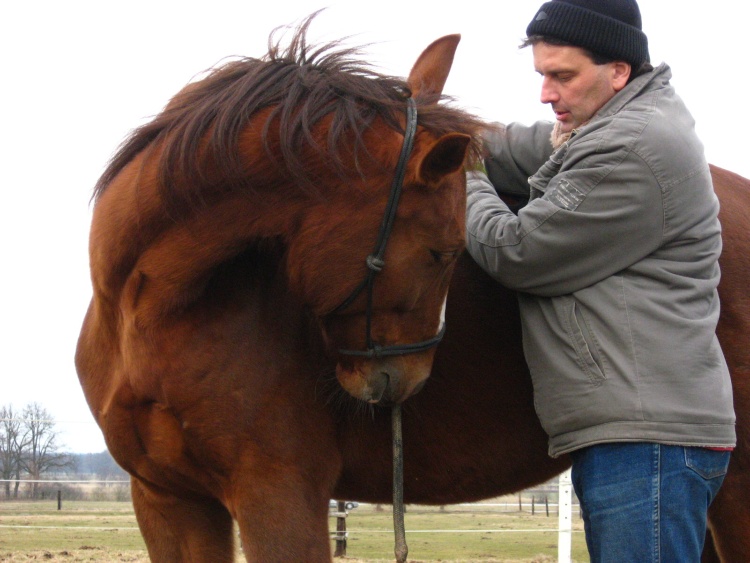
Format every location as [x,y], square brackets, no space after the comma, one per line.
[39,448]
[10,449]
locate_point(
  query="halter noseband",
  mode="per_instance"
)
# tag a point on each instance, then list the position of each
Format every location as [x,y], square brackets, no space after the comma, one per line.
[375,262]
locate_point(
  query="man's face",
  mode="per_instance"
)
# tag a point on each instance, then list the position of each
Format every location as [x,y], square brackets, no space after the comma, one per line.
[573,85]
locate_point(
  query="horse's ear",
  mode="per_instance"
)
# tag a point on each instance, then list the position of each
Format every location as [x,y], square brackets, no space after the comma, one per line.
[429,73]
[444,157]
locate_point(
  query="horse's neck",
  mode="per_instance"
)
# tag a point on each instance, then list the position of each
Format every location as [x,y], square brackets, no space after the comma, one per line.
[150,264]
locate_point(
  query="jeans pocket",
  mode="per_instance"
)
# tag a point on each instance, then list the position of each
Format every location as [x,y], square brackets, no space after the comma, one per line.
[707,463]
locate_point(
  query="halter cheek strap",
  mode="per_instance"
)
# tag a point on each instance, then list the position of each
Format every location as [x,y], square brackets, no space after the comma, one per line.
[375,262]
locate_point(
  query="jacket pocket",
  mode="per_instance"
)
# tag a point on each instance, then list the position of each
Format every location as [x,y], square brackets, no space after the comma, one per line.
[585,344]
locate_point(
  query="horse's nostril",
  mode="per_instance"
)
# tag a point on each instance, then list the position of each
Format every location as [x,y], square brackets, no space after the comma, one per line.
[388,390]
[378,388]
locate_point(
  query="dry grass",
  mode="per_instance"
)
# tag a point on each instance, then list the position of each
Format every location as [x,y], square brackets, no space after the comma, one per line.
[100,555]
[106,532]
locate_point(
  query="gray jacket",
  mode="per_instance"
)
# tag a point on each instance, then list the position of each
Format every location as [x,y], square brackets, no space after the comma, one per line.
[616,261]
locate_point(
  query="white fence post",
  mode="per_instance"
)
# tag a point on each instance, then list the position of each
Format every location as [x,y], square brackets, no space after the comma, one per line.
[565,520]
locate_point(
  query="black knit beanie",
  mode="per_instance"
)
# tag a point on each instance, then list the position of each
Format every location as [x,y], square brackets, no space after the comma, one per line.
[611,28]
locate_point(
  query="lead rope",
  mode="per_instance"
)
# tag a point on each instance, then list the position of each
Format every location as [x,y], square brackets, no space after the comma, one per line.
[401,549]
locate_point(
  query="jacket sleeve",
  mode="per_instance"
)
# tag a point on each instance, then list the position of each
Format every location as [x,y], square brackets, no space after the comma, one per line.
[591,223]
[515,152]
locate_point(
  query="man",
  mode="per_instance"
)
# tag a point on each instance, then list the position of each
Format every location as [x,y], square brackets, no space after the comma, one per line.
[615,259]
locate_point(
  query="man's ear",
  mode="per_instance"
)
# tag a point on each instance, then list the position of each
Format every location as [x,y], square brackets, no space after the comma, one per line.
[620,74]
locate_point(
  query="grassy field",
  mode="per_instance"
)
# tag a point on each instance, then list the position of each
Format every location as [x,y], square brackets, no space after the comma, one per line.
[107,532]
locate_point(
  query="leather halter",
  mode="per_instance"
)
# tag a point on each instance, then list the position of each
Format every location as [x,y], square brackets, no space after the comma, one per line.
[375,262]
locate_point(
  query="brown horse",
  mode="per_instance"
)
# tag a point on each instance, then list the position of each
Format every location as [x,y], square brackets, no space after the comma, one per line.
[235,281]
[226,236]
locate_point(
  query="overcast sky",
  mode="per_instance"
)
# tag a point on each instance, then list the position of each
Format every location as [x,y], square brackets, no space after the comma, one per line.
[78,76]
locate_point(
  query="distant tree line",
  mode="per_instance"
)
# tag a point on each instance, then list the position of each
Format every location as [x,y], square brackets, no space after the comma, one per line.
[29,448]
[97,466]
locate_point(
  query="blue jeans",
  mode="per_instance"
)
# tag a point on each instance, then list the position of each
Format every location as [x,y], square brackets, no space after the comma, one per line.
[644,502]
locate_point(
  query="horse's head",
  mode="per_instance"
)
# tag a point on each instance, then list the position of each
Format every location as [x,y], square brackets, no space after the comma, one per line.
[299,150]
[380,292]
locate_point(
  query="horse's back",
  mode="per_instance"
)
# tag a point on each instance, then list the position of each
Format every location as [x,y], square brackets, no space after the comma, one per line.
[729,514]
[733,192]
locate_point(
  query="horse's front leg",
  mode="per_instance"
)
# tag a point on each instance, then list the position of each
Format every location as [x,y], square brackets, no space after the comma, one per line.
[283,516]
[283,479]
[181,530]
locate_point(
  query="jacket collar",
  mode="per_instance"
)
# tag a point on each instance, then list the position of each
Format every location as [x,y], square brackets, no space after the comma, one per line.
[654,80]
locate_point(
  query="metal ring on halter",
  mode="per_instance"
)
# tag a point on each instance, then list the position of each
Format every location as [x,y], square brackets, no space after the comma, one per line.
[374,263]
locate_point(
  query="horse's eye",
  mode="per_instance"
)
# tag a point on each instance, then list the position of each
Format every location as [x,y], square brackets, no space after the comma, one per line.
[439,256]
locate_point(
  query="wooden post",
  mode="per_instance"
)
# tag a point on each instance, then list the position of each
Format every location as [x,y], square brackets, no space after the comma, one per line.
[340,530]
[59,499]
[533,499]
[546,505]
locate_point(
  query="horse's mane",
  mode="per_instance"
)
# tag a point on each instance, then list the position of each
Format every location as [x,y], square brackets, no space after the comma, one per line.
[302,84]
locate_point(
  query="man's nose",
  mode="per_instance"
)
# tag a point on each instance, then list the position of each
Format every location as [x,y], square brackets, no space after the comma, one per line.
[549,93]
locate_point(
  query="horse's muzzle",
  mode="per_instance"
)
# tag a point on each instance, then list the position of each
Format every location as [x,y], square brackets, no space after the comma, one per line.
[385,380]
